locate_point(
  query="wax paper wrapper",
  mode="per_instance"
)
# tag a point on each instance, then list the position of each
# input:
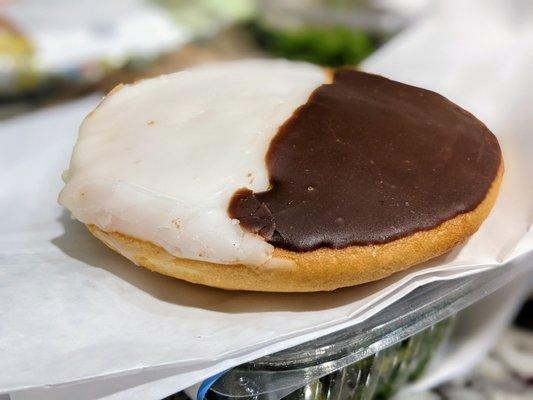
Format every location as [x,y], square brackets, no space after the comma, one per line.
[72,311]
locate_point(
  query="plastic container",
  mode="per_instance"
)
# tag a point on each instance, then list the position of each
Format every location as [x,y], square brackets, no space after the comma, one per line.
[369,360]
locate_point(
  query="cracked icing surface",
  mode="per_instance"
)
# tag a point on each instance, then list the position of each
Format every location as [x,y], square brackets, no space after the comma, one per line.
[160,159]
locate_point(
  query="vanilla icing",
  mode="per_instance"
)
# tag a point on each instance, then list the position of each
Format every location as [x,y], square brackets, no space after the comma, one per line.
[159,160]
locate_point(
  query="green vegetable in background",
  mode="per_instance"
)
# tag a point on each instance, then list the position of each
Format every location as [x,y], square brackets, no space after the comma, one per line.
[334,46]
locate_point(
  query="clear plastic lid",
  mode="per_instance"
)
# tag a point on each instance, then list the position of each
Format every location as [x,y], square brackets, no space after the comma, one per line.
[274,376]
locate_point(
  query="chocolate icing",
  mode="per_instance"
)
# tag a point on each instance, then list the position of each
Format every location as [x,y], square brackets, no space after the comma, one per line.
[368,160]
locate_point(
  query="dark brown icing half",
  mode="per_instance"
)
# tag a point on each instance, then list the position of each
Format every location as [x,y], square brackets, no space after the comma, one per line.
[368,160]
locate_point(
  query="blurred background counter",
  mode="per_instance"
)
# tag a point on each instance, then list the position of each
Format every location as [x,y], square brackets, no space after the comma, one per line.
[55,50]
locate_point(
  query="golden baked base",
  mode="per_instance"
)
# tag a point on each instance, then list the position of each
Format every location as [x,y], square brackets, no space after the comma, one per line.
[318,270]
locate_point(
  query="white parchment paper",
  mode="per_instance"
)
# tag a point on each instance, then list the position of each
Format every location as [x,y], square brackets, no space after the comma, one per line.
[71,310]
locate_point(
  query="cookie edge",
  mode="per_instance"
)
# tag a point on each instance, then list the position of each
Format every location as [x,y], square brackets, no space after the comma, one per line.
[318,270]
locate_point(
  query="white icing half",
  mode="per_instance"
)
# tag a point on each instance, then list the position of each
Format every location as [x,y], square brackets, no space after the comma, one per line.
[160,159]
